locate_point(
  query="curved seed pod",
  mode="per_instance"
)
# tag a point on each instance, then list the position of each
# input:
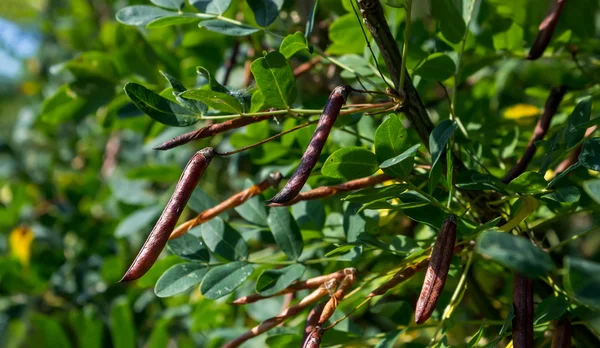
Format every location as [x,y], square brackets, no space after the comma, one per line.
[232,202]
[166,222]
[278,319]
[336,100]
[311,283]
[437,271]
[546,29]
[210,130]
[312,321]
[562,333]
[337,296]
[398,278]
[327,191]
[522,323]
[314,338]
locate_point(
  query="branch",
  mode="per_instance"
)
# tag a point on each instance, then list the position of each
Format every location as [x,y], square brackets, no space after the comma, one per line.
[327,191]
[414,108]
[541,128]
[231,202]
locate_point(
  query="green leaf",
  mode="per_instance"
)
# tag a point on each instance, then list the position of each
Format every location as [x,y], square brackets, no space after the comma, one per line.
[74,101]
[179,278]
[310,22]
[286,232]
[346,36]
[227,28]
[140,15]
[159,337]
[390,142]
[121,324]
[137,221]
[590,154]
[402,159]
[265,11]
[253,210]
[396,312]
[473,342]
[224,279]
[182,18]
[272,281]
[439,138]
[592,188]
[508,321]
[216,100]
[213,84]
[452,24]
[223,240]
[350,163]
[275,78]
[389,340]
[528,182]
[159,108]
[514,253]
[189,247]
[211,6]
[580,115]
[293,44]
[551,308]
[170,4]
[178,88]
[436,67]
[582,280]
[565,194]
[45,330]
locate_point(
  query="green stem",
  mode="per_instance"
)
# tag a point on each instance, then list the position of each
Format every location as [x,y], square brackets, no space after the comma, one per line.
[574,237]
[408,7]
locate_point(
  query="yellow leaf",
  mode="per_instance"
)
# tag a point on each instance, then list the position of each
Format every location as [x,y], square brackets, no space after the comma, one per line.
[519,111]
[527,206]
[20,243]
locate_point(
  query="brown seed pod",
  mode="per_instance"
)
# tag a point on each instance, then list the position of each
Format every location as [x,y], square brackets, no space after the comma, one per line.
[210,130]
[522,323]
[546,29]
[336,100]
[437,271]
[337,296]
[311,283]
[312,321]
[327,191]
[313,340]
[166,222]
[278,319]
[232,202]
[562,333]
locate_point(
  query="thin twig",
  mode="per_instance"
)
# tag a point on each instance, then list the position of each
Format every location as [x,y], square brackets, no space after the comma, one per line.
[541,128]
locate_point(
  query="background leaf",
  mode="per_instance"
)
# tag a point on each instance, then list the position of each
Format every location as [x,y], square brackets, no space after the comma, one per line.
[286,232]
[224,279]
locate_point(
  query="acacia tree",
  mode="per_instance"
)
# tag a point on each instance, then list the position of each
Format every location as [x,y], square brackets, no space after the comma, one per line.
[396,154]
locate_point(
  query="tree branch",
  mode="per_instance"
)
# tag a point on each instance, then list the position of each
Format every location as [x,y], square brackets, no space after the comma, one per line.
[414,108]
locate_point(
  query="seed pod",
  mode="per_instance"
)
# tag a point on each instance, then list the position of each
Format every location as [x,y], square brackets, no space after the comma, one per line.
[280,318]
[437,271]
[311,283]
[546,29]
[232,202]
[314,338]
[166,222]
[327,191]
[562,333]
[337,296]
[210,130]
[336,100]
[522,323]
[312,321]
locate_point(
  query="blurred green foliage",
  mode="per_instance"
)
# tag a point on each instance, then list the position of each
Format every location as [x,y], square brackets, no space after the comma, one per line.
[81,185]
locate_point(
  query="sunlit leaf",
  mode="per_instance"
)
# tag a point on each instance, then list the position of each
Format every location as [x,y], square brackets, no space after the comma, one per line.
[224,279]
